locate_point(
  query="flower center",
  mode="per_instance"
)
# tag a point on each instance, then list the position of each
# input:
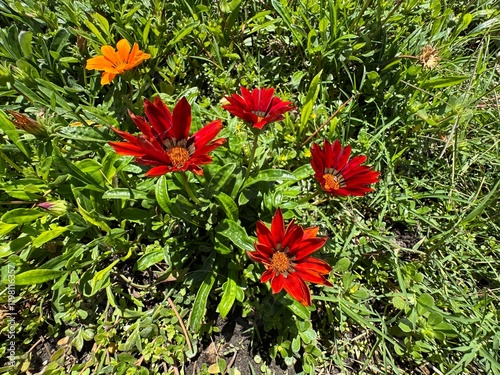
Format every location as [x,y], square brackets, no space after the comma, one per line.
[280,262]
[259,114]
[332,182]
[120,66]
[178,155]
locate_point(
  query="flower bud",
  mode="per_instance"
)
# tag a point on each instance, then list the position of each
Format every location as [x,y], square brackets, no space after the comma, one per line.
[55,208]
[26,123]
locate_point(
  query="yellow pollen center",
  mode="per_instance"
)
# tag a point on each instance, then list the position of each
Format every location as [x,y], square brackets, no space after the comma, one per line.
[331,182]
[178,155]
[280,262]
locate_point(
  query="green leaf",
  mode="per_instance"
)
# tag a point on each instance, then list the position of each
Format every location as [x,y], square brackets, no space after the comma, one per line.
[25,38]
[200,302]
[235,233]
[6,228]
[83,134]
[270,175]
[123,193]
[93,218]
[439,82]
[185,30]
[228,205]
[10,130]
[147,260]
[101,278]
[48,236]
[481,205]
[170,207]
[221,177]
[37,276]
[229,291]
[425,300]
[300,310]
[21,216]
[342,265]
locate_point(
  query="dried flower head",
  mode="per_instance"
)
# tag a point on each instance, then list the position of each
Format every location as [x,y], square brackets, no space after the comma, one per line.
[429,57]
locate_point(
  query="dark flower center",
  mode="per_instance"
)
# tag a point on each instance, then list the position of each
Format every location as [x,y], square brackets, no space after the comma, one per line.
[333,179]
[180,151]
[178,155]
[260,114]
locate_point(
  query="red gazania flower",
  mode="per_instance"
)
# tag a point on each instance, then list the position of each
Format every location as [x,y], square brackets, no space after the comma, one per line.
[285,252]
[258,107]
[339,175]
[165,142]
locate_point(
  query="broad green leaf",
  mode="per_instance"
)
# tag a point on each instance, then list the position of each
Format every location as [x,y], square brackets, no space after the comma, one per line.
[300,310]
[6,228]
[21,216]
[342,265]
[228,205]
[101,278]
[173,208]
[48,236]
[200,302]
[123,193]
[235,233]
[147,260]
[425,300]
[37,276]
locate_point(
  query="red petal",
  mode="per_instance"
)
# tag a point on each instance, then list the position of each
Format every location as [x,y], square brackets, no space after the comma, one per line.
[310,232]
[316,265]
[128,149]
[141,123]
[298,289]
[309,275]
[307,247]
[277,283]
[206,134]
[159,117]
[258,257]
[264,235]
[182,119]
[266,275]
[158,171]
[278,227]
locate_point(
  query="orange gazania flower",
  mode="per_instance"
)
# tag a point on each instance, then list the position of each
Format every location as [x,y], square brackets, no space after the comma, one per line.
[116,62]
[257,107]
[165,142]
[339,175]
[285,252]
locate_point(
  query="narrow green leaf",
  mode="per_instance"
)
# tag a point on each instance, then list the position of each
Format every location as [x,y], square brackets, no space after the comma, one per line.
[221,177]
[229,291]
[25,38]
[123,193]
[37,276]
[200,302]
[440,82]
[271,175]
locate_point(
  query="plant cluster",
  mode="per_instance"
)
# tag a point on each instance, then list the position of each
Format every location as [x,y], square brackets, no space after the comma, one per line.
[197,197]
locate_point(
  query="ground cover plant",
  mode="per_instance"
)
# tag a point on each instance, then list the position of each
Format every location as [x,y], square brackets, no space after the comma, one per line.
[249,187]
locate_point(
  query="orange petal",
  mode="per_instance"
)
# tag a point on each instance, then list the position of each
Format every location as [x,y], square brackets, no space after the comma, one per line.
[107,78]
[123,48]
[99,63]
[110,54]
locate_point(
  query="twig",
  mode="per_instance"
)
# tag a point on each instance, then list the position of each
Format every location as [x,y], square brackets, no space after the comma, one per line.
[230,363]
[328,120]
[181,323]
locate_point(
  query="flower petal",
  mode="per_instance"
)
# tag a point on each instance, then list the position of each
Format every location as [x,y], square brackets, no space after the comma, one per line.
[206,134]
[278,227]
[181,119]
[123,47]
[298,289]
[277,283]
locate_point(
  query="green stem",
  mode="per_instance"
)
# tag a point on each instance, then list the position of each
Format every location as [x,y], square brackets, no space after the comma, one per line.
[252,155]
[308,197]
[188,189]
